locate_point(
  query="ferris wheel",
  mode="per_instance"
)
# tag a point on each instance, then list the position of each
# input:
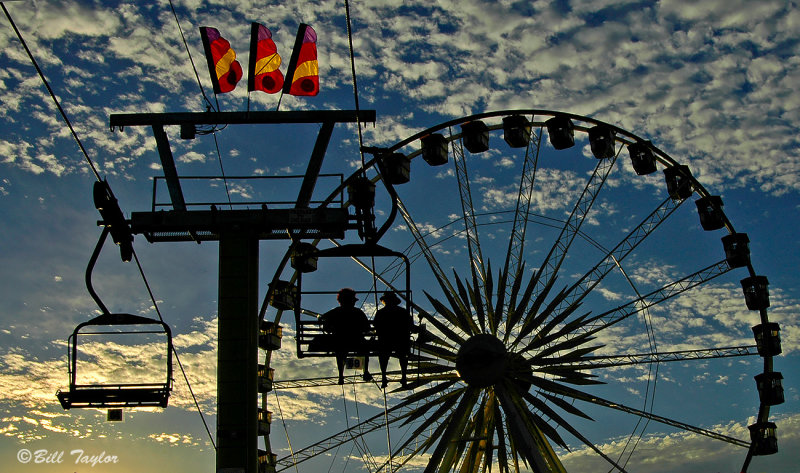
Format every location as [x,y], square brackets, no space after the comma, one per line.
[553,270]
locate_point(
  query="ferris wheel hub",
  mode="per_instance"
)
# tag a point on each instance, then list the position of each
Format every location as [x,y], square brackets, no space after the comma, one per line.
[482,360]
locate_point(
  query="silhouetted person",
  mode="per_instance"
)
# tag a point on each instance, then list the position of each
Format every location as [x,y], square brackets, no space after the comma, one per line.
[347,326]
[393,325]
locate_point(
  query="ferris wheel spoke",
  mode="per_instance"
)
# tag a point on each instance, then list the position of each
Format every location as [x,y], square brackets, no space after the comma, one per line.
[468,213]
[545,409]
[614,316]
[352,434]
[661,419]
[516,243]
[612,259]
[525,428]
[556,365]
[444,455]
[419,239]
[583,205]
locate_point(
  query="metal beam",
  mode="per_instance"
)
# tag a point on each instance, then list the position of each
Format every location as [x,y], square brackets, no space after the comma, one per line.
[168,165]
[267,224]
[664,420]
[119,120]
[314,165]
[592,362]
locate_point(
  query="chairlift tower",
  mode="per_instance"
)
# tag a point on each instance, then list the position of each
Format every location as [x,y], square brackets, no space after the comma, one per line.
[239,232]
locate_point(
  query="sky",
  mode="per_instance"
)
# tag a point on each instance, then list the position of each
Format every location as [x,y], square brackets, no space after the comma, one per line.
[712,83]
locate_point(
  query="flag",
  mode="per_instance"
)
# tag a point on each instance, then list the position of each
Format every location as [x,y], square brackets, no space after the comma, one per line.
[263,73]
[225,70]
[303,67]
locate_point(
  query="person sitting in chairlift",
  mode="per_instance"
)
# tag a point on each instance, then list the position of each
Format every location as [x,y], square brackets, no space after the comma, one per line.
[348,326]
[393,326]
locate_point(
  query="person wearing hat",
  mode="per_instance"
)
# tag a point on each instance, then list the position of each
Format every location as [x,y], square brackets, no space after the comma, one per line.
[393,326]
[347,325]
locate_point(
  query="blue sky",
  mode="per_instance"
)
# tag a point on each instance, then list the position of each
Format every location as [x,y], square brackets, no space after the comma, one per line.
[713,84]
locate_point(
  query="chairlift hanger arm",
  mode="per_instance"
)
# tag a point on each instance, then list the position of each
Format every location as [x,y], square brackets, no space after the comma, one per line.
[90,268]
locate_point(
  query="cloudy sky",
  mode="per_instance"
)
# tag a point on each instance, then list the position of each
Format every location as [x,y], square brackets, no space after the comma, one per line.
[712,83]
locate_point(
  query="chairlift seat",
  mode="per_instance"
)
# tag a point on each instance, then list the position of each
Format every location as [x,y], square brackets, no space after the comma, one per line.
[313,341]
[118,394]
[115,395]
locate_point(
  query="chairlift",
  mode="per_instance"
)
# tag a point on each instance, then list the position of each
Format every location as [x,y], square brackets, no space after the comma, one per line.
[119,394]
[310,335]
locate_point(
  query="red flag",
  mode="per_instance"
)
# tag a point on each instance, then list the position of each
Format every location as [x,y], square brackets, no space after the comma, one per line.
[303,66]
[225,70]
[263,73]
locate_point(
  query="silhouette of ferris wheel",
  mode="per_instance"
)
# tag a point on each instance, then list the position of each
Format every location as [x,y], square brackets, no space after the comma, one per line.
[548,288]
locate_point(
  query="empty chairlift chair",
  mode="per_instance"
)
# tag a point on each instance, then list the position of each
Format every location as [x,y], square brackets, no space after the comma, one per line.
[88,393]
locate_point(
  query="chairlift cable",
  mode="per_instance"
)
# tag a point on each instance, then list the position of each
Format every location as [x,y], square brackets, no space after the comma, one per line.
[388,431]
[50,90]
[285,429]
[222,169]
[174,350]
[205,97]
[365,453]
[355,83]
[191,60]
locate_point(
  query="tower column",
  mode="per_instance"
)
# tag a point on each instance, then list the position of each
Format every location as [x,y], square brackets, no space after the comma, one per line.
[237,353]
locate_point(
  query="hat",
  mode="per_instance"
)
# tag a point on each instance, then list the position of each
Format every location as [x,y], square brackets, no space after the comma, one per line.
[347,293]
[390,298]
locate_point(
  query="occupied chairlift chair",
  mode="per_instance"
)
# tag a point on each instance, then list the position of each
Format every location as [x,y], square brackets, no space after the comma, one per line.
[115,395]
[310,334]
